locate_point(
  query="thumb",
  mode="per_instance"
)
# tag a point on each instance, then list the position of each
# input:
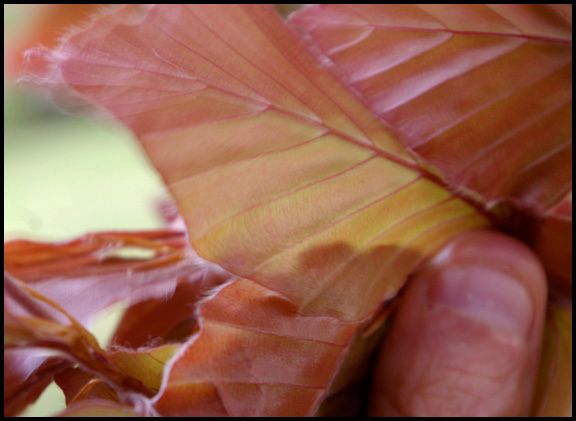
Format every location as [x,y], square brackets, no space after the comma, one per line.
[465,340]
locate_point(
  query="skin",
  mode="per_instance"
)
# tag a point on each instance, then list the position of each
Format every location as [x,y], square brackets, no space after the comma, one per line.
[466,338]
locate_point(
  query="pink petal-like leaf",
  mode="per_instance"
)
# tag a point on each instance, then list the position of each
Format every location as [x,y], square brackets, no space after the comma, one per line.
[79,385]
[482,92]
[26,375]
[90,273]
[171,319]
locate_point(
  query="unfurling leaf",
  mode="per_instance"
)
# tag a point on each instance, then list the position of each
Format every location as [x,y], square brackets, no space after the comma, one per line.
[32,322]
[90,273]
[85,276]
[79,385]
[26,375]
[165,320]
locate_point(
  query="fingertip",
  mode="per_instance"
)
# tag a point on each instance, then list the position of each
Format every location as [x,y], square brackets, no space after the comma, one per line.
[502,256]
[493,249]
[466,337]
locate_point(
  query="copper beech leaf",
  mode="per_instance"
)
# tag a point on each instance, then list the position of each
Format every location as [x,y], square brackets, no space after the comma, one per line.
[88,274]
[284,178]
[482,92]
[44,25]
[488,84]
[145,364]
[166,319]
[78,385]
[99,408]
[32,322]
[85,276]
[26,375]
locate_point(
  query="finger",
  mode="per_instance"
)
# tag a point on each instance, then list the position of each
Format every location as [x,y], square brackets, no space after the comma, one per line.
[465,340]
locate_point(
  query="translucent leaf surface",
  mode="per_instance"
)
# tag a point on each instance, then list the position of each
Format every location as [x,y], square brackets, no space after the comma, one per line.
[482,92]
[90,273]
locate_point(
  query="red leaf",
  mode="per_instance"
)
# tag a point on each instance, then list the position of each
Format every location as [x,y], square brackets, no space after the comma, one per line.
[117,374]
[78,385]
[26,375]
[161,320]
[48,23]
[32,322]
[90,273]
[483,92]
[552,239]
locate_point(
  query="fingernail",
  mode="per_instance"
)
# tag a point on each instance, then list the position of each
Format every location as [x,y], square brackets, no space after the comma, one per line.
[485,295]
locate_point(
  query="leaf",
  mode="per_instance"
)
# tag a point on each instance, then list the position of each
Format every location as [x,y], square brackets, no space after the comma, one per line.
[79,385]
[144,364]
[27,372]
[284,179]
[161,320]
[47,24]
[98,408]
[86,275]
[554,387]
[440,61]
[26,375]
[552,239]
[482,92]
[90,273]
[33,321]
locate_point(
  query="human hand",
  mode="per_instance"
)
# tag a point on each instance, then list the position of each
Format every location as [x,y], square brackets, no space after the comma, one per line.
[466,338]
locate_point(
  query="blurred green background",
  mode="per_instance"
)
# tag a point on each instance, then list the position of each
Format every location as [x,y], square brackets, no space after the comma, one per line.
[66,175]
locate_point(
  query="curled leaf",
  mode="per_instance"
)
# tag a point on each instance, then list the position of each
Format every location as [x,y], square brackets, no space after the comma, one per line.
[143,364]
[92,272]
[166,319]
[79,385]
[26,375]
[69,340]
